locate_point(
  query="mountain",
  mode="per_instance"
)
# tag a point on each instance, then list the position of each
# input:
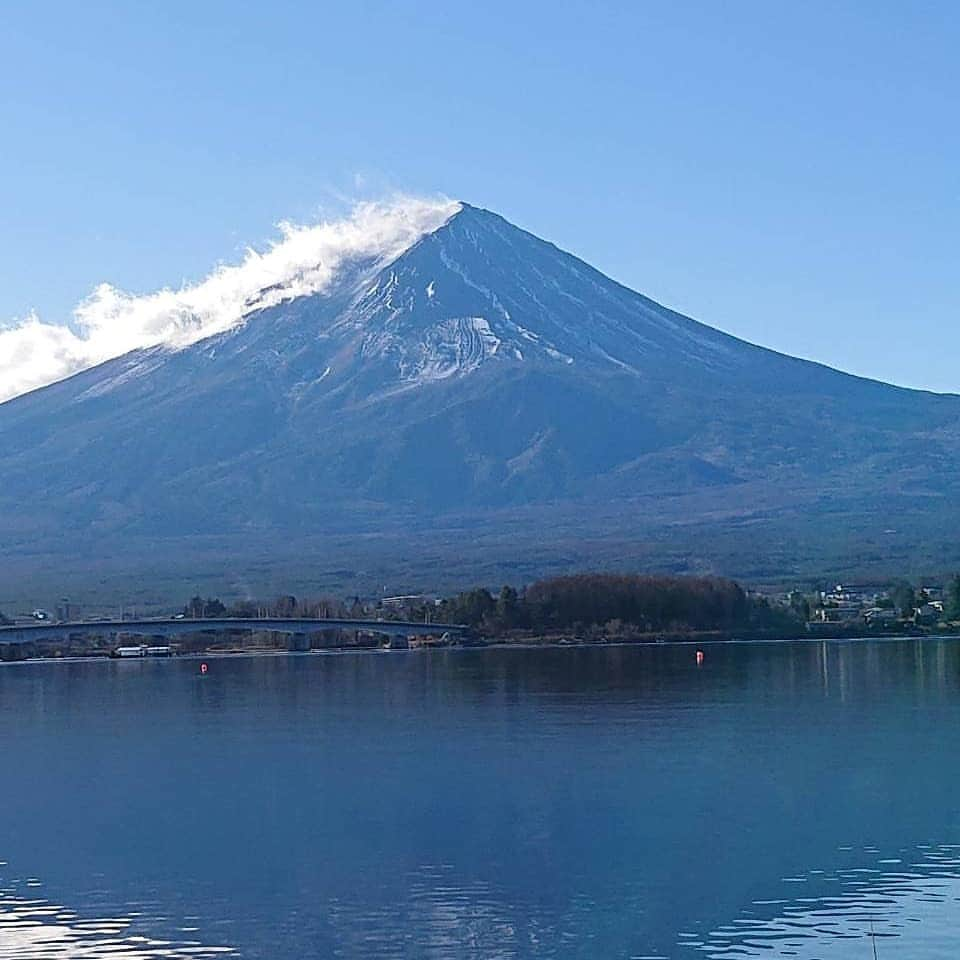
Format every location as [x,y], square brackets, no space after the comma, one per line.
[481,387]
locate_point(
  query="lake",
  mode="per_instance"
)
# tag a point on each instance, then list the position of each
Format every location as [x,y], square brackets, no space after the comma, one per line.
[778,800]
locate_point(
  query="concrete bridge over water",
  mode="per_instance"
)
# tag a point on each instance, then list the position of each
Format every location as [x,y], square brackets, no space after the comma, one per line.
[178,626]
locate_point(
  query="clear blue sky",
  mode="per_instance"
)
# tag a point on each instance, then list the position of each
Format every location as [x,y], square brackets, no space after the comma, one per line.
[787,172]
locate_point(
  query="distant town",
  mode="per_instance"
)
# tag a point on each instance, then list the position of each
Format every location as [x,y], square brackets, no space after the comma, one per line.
[902,604]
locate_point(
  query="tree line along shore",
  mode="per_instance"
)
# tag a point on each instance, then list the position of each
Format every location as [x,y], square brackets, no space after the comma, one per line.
[587,607]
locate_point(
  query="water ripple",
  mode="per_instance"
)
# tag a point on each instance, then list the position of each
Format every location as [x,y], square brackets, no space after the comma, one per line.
[36,929]
[913,905]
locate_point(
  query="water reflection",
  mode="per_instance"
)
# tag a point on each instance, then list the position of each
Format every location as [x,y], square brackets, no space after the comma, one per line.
[616,802]
[847,913]
[32,928]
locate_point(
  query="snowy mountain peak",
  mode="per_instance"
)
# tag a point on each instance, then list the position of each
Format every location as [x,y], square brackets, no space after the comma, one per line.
[477,290]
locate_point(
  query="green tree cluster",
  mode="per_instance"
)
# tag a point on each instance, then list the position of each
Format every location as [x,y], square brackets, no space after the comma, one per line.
[473,607]
[197,608]
[624,603]
[904,598]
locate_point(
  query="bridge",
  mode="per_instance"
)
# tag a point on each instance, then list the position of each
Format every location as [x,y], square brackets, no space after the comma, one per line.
[178,626]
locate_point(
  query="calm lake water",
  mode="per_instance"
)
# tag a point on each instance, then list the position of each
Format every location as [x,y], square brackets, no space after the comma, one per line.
[779,800]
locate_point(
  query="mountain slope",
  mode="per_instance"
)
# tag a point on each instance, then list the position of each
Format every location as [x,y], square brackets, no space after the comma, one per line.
[482,374]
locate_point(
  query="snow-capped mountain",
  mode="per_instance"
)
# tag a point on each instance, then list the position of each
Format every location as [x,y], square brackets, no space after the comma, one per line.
[479,370]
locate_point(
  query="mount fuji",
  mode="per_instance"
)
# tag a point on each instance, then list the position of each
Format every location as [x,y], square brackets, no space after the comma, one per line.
[482,396]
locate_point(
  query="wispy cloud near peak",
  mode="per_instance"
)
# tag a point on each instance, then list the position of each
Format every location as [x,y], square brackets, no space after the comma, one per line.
[304,260]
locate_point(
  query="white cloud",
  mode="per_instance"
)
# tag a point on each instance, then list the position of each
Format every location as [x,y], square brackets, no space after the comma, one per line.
[304,260]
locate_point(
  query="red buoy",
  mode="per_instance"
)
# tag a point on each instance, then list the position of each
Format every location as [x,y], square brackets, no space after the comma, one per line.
[699,658]
[203,668]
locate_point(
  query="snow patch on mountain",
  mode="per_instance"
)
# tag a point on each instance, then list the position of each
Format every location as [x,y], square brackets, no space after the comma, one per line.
[454,347]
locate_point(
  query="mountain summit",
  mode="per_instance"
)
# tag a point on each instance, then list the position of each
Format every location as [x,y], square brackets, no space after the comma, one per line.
[482,374]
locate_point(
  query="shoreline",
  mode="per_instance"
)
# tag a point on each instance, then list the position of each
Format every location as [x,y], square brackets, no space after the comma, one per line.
[499,645]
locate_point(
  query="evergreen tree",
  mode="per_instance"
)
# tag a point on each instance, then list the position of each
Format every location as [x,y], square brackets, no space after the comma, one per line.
[951,607]
[904,598]
[507,607]
[800,605]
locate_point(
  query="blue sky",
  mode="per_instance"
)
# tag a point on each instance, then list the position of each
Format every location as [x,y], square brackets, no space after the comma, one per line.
[788,173]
